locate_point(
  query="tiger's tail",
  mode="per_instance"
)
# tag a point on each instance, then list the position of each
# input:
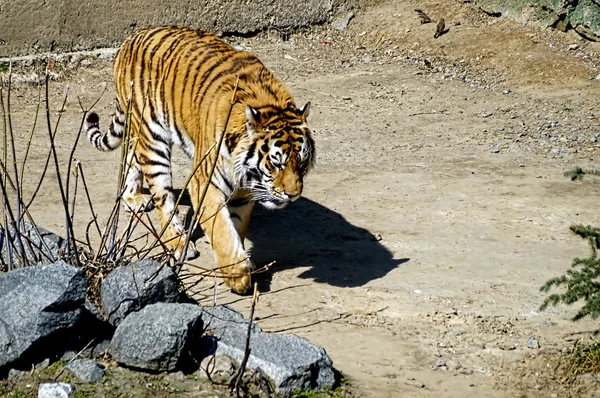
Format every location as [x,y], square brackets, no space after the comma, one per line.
[112,138]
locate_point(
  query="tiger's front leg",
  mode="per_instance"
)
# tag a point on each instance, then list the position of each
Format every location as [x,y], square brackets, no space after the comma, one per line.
[220,229]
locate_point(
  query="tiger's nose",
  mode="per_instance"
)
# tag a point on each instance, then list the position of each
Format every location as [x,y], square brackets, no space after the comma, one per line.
[293,195]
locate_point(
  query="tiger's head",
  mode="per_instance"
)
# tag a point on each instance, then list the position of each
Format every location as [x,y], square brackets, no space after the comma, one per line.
[279,152]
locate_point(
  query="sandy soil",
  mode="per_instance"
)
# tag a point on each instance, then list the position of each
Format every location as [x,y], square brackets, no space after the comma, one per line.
[438,207]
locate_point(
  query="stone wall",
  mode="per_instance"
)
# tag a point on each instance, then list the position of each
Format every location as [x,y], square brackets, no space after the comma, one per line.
[33,26]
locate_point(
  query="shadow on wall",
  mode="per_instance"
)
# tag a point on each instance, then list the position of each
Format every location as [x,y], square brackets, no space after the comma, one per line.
[306,234]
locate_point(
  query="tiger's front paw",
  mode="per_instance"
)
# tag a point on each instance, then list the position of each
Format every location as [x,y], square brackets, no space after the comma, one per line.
[239,278]
[138,203]
[191,252]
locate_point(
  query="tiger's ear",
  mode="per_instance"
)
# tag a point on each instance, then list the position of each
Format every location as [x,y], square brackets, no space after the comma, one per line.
[252,120]
[305,111]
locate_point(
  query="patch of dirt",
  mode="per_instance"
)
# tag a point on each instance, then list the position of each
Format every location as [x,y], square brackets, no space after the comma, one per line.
[438,207]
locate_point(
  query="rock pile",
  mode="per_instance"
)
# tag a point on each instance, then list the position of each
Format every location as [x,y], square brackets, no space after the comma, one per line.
[145,324]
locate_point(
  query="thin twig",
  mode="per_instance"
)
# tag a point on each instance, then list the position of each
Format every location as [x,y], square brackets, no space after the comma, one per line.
[242,369]
[71,244]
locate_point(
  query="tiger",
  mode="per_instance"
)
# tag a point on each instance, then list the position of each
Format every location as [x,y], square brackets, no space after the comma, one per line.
[174,87]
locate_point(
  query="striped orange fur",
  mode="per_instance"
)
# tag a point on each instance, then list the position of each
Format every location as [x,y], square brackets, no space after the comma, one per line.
[181,82]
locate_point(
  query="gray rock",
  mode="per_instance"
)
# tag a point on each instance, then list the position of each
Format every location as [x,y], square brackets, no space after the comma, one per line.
[457,332]
[451,311]
[36,302]
[93,311]
[532,343]
[439,363]
[68,355]
[86,370]
[291,362]
[98,350]
[341,24]
[219,318]
[131,288]
[42,249]
[157,337]
[55,390]
[495,149]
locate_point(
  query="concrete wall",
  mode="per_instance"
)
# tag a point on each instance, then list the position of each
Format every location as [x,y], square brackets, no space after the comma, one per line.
[31,26]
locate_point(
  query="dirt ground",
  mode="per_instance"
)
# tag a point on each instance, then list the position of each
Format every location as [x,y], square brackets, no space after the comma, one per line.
[438,207]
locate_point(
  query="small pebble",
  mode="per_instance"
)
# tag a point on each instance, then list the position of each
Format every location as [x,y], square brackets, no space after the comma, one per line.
[532,343]
[86,370]
[506,91]
[495,149]
[341,24]
[439,363]
[457,332]
[414,383]
[451,311]
[453,365]
[43,365]
[507,347]
[15,374]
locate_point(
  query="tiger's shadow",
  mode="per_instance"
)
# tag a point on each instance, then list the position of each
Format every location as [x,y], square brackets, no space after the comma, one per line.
[308,235]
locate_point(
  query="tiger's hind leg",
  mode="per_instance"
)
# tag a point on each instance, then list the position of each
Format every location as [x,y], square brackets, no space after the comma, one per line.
[133,196]
[154,156]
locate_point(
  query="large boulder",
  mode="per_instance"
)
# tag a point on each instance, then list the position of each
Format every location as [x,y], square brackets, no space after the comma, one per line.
[132,287]
[37,302]
[291,362]
[158,337]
